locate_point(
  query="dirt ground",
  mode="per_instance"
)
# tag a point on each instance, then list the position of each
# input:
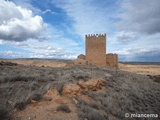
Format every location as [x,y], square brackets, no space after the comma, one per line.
[147,69]
[36,62]
[46,108]
[34,90]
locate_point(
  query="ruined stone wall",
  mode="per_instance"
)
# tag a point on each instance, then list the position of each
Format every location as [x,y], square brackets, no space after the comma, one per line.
[112,60]
[96,49]
[81,56]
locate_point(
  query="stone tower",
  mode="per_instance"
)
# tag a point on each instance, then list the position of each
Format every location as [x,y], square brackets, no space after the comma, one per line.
[96,49]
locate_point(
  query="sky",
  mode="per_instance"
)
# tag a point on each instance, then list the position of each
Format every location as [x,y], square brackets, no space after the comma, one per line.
[56,29]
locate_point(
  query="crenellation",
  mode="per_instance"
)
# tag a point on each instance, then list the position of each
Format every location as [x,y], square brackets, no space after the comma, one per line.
[95,35]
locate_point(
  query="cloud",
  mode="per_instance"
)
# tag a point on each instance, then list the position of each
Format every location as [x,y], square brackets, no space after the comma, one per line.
[139,54]
[49,11]
[27,4]
[21,44]
[86,16]
[52,53]
[126,37]
[140,16]
[19,24]
[46,49]
[151,55]
[68,42]
[144,48]
[50,50]
[12,54]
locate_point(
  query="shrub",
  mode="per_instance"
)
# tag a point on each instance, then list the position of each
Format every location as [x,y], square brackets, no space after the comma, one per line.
[80,77]
[5,115]
[20,105]
[90,114]
[37,97]
[60,88]
[85,111]
[95,116]
[63,108]
[18,78]
[34,85]
[95,105]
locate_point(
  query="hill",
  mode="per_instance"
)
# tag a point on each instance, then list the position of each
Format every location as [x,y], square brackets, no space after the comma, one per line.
[75,92]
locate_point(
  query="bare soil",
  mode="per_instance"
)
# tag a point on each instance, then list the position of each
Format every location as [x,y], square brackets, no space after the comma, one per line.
[138,68]
[34,92]
[143,68]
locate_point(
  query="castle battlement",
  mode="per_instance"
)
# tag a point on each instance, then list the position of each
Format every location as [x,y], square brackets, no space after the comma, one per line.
[95,35]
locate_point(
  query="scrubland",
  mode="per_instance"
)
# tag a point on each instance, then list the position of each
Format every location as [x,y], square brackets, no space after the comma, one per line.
[124,92]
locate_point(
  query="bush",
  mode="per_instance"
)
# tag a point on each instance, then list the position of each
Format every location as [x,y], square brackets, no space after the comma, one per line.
[64,108]
[80,77]
[95,116]
[5,115]
[85,111]
[18,79]
[60,88]
[90,114]
[20,105]
[95,105]
[37,97]
[34,85]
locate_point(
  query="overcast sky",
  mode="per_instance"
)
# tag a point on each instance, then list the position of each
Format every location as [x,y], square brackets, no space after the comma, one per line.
[57,28]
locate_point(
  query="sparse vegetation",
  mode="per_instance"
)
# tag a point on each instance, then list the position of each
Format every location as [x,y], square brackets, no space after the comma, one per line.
[95,105]
[20,105]
[63,108]
[85,111]
[124,92]
[37,97]
[4,114]
[59,87]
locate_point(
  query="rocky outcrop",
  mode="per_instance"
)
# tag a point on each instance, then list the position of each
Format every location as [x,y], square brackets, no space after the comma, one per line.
[71,89]
[92,84]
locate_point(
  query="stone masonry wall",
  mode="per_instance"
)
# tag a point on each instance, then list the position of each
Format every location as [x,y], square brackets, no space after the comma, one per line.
[96,49]
[112,60]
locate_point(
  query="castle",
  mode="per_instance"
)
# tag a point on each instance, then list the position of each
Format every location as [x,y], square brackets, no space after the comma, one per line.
[96,51]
